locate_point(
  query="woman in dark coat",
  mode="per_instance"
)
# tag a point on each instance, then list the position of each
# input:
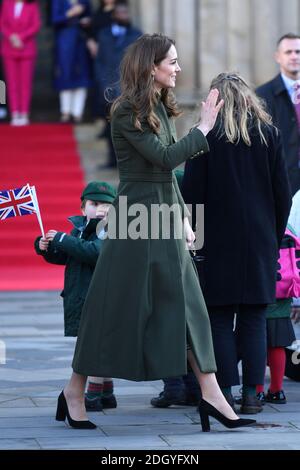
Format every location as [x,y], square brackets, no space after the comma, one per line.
[72,75]
[243,185]
[145,307]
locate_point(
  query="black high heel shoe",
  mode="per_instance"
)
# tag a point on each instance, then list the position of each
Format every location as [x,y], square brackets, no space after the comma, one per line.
[62,413]
[206,410]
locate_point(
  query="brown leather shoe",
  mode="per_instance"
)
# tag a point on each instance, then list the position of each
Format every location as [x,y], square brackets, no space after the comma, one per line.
[250,405]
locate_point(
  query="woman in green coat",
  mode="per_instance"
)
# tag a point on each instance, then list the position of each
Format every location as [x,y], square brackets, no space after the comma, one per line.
[144,315]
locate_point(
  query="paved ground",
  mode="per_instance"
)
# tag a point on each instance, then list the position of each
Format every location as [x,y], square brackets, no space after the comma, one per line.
[38,364]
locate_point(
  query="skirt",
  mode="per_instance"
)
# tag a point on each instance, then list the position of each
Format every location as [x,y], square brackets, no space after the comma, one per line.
[280,332]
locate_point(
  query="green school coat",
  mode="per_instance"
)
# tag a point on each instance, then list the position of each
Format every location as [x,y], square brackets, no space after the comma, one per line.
[144,300]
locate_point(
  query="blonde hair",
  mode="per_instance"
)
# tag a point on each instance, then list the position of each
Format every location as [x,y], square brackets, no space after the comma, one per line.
[242,109]
[137,85]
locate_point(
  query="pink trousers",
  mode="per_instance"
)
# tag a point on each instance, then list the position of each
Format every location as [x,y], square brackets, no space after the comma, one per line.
[19,77]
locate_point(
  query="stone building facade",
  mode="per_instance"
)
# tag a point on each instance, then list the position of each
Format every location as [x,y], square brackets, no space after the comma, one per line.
[211,36]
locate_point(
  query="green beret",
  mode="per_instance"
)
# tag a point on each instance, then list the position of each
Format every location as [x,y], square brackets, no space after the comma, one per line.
[99,191]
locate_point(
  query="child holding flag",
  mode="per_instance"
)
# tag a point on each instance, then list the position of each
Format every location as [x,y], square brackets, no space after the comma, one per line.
[79,253]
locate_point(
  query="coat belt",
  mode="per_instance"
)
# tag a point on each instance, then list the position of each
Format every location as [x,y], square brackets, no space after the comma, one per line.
[147,177]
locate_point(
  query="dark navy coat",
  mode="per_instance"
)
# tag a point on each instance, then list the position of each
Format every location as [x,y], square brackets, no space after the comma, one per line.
[111,51]
[246,196]
[72,60]
[284,116]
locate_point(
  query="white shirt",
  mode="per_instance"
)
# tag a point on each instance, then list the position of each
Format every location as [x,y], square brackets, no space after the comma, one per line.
[18,9]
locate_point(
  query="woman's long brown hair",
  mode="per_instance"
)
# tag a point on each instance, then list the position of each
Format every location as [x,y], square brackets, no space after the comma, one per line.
[137,84]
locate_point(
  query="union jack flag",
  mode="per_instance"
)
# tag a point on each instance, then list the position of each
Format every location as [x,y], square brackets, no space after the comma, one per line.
[16,202]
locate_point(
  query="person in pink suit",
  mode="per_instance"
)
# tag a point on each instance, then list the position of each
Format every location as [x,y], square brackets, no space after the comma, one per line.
[19,25]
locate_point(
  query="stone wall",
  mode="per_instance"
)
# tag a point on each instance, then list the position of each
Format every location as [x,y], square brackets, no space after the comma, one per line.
[211,36]
[219,35]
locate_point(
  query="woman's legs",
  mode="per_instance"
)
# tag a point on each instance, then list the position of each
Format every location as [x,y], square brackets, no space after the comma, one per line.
[26,81]
[276,361]
[222,326]
[78,102]
[11,71]
[210,389]
[74,394]
[251,334]
[65,98]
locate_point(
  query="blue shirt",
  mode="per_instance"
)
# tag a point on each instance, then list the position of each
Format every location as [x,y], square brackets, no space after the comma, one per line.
[289,85]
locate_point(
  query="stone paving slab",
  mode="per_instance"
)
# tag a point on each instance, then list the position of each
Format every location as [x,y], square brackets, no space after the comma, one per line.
[18,403]
[238,439]
[38,365]
[26,412]
[52,432]
[140,442]
[29,422]
[19,444]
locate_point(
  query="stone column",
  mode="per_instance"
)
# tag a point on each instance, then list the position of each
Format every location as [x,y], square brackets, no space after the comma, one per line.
[265,27]
[149,12]
[185,35]
[239,37]
[289,17]
[213,37]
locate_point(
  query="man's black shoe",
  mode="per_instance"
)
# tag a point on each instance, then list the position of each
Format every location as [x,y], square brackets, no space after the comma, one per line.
[165,399]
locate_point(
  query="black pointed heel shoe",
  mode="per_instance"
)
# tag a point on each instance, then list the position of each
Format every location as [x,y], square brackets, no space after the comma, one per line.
[206,410]
[62,413]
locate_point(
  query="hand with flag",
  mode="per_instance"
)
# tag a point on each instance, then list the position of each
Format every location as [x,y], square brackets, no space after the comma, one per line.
[43,244]
[18,202]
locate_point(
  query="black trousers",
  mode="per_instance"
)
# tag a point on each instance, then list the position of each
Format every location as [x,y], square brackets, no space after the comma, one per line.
[241,337]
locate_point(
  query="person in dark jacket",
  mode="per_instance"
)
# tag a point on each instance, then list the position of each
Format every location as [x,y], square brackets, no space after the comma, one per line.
[279,97]
[79,252]
[101,18]
[112,43]
[73,64]
[244,187]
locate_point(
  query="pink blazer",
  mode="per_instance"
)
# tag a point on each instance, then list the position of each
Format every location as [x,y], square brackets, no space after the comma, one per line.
[26,26]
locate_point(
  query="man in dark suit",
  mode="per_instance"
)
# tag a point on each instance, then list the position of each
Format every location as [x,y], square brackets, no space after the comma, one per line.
[113,41]
[279,95]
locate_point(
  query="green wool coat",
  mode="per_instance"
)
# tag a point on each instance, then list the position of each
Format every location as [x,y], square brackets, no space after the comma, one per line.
[79,252]
[144,302]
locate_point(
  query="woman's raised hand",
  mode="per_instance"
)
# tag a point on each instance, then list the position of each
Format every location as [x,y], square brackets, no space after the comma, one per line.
[209,112]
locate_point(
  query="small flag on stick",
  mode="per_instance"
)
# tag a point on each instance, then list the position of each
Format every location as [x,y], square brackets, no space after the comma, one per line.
[18,202]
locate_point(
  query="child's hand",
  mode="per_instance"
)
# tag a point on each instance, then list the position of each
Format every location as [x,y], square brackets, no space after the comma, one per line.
[43,244]
[50,235]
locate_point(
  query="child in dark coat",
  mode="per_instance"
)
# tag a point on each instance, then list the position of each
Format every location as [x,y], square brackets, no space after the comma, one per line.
[79,253]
